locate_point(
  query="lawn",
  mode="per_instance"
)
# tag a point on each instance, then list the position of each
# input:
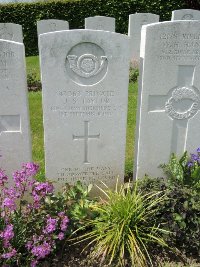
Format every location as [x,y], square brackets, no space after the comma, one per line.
[35,104]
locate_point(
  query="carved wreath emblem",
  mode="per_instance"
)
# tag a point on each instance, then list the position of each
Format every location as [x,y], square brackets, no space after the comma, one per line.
[86,65]
[180,94]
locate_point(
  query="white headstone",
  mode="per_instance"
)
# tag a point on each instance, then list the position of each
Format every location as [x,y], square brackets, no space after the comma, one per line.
[11,32]
[186,14]
[15,143]
[85,90]
[136,21]
[169,101]
[51,25]
[100,23]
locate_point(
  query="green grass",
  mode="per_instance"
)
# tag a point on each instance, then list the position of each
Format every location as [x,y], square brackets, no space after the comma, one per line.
[32,66]
[35,101]
[35,107]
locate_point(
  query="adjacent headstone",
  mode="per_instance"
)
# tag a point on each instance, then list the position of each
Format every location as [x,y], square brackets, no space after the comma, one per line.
[136,21]
[15,143]
[85,90]
[169,101]
[186,14]
[100,23]
[11,31]
[51,25]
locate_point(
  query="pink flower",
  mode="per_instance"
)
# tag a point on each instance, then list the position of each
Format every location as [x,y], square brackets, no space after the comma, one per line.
[30,168]
[51,225]
[3,178]
[8,233]
[61,236]
[9,254]
[9,203]
[41,251]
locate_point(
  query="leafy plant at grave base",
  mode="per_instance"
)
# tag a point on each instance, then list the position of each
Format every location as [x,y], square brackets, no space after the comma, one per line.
[185,171]
[34,221]
[125,226]
[33,83]
[133,75]
[181,208]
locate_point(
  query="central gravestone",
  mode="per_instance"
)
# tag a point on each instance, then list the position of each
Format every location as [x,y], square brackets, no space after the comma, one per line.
[168,116]
[100,23]
[85,89]
[15,144]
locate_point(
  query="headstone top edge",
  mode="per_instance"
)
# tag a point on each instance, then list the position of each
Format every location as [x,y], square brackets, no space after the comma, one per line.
[44,20]
[138,14]
[11,42]
[185,9]
[86,31]
[11,24]
[174,22]
[100,17]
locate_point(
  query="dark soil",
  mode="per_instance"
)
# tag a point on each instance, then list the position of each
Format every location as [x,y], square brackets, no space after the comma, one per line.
[74,255]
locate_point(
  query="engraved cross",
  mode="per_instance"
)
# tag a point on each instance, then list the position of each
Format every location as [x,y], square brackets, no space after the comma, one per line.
[10,123]
[180,104]
[86,138]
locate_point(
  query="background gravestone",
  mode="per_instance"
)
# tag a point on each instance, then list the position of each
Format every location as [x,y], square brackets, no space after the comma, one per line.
[168,118]
[136,21]
[186,14]
[11,31]
[15,144]
[51,25]
[100,23]
[85,90]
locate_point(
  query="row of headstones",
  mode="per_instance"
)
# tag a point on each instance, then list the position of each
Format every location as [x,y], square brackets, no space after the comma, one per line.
[85,98]
[10,31]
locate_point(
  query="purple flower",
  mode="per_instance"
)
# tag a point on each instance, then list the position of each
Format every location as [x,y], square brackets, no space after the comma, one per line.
[51,225]
[3,178]
[44,188]
[198,150]
[34,263]
[7,235]
[41,251]
[61,236]
[30,168]
[190,164]
[9,254]
[9,203]
[194,157]
[64,223]
[20,178]
[11,193]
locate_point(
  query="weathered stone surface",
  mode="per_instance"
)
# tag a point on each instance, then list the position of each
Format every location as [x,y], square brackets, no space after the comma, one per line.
[11,31]
[85,90]
[15,144]
[136,21]
[51,25]
[100,23]
[186,14]
[169,100]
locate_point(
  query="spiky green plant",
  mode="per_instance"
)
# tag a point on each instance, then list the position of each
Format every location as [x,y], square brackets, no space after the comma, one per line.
[125,227]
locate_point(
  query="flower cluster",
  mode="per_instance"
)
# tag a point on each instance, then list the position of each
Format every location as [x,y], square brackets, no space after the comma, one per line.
[41,246]
[23,229]
[194,159]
